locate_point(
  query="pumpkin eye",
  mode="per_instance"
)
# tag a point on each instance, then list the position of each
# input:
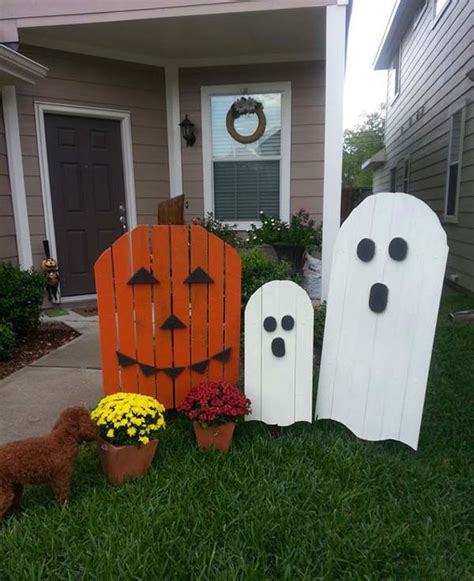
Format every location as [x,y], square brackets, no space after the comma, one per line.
[198,276]
[270,324]
[398,249]
[366,249]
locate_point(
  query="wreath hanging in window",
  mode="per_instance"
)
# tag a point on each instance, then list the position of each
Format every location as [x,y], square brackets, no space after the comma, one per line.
[246,106]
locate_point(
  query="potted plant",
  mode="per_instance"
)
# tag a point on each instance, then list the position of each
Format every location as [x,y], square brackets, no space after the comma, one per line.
[214,407]
[290,240]
[128,425]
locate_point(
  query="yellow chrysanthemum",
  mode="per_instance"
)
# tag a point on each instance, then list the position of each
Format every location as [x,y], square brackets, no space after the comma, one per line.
[110,433]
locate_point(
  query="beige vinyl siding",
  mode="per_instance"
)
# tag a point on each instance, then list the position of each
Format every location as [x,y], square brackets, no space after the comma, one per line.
[8,248]
[435,61]
[83,80]
[307,130]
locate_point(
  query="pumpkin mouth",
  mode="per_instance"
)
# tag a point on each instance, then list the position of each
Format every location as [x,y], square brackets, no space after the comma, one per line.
[173,372]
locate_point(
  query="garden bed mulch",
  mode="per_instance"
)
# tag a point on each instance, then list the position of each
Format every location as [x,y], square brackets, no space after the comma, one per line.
[49,337]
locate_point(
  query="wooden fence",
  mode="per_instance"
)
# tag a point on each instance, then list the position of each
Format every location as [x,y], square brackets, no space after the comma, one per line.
[169,311]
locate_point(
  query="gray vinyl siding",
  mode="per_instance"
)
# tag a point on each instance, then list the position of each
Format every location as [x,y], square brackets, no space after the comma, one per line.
[83,80]
[307,127]
[8,248]
[435,61]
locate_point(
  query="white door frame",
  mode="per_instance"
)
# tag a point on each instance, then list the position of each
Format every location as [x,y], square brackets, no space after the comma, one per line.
[41,108]
[207,92]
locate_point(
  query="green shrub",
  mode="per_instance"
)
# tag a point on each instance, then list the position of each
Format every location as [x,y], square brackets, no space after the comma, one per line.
[257,269]
[7,341]
[21,297]
[300,231]
[228,232]
[319,321]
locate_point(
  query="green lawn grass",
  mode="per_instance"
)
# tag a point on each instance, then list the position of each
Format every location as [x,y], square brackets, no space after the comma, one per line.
[314,503]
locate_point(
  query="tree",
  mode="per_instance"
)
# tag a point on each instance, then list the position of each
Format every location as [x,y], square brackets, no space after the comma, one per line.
[360,144]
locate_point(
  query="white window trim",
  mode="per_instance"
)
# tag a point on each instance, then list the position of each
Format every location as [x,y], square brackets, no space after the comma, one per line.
[406,160]
[420,15]
[448,218]
[398,91]
[436,17]
[41,108]
[285,155]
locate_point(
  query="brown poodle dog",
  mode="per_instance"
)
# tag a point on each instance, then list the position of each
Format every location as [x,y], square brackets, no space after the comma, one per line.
[45,459]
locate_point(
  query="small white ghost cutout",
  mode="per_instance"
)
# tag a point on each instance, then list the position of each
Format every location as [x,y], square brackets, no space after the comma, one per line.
[386,280]
[279,320]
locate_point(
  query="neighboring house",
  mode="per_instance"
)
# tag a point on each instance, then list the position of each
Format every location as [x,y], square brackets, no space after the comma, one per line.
[429,134]
[93,95]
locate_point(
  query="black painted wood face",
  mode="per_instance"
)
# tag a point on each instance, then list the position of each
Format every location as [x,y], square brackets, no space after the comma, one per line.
[366,249]
[378,297]
[287,322]
[199,276]
[143,276]
[172,322]
[398,249]
[278,347]
[270,324]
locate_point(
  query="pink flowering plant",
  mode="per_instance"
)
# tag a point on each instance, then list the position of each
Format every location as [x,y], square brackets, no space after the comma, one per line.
[214,402]
[300,231]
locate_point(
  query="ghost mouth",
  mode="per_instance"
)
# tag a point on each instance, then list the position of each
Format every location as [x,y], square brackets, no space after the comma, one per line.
[173,372]
[378,297]
[278,347]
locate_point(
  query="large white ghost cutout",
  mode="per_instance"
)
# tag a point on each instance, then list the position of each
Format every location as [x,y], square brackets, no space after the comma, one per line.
[279,320]
[387,275]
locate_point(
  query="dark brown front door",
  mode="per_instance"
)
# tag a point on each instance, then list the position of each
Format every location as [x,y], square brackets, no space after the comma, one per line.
[87,192]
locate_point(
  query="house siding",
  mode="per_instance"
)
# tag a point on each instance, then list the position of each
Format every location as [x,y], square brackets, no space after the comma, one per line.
[82,80]
[307,127]
[435,60]
[8,248]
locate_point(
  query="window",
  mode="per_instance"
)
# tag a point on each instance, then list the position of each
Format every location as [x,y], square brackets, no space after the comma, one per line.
[439,6]
[394,77]
[454,164]
[406,176]
[393,179]
[419,10]
[242,180]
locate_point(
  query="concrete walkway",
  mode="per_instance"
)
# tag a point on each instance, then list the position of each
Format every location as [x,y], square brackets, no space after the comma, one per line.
[32,398]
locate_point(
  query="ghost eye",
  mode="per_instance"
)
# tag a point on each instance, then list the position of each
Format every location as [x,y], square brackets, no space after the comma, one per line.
[366,249]
[269,324]
[287,322]
[398,249]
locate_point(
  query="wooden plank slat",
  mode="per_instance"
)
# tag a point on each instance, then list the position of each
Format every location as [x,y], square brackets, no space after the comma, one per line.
[125,310]
[163,308]
[199,302]
[104,283]
[181,294]
[232,313]
[143,309]
[216,306]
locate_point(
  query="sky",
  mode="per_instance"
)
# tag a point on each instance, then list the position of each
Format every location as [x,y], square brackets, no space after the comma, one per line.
[365,88]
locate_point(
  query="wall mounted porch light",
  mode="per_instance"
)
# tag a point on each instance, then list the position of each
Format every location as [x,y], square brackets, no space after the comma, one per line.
[187,131]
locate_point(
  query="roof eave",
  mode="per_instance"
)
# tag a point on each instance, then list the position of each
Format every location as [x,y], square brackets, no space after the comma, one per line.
[16,68]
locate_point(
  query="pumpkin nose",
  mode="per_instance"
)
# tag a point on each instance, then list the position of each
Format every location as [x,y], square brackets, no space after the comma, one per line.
[378,297]
[278,347]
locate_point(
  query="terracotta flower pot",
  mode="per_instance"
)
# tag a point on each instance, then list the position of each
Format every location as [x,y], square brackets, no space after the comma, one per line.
[218,437]
[123,462]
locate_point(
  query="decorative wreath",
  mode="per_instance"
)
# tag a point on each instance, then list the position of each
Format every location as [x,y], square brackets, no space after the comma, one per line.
[246,106]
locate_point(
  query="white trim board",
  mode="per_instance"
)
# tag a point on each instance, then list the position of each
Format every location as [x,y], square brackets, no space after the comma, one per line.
[41,108]
[16,176]
[174,130]
[285,166]
[333,135]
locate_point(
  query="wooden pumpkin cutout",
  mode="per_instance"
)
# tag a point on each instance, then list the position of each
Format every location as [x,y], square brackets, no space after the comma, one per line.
[384,292]
[279,320]
[169,311]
